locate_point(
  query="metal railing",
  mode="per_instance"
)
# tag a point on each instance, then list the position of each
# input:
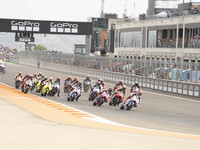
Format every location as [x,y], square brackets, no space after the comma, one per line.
[181,88]
[168,70]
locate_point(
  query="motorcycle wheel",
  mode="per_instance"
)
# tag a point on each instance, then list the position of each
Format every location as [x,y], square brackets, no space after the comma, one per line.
[122,107]
[17,85]
[45,93]
[129,106]
[94,103]
[101,101]
[115,101]
[68,99]
[26,90]
[72,98]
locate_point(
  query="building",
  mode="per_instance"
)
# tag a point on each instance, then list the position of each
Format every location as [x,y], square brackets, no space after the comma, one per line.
[102,38]
[174,35]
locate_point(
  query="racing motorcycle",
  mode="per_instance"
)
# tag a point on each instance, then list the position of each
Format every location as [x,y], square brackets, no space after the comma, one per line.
[46,89]
[27,86]
[67,86]
[18,80]
[74,94]
[87,85]
[35,82]
[130,103]
[101,99]
[117,98]
[94,93]
[55,89]
[2,67]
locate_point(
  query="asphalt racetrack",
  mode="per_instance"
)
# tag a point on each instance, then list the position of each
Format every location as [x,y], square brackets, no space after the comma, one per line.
[157,111]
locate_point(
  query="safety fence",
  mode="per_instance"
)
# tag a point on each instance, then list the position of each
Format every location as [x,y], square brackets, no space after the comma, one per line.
[169,70]
[181,88]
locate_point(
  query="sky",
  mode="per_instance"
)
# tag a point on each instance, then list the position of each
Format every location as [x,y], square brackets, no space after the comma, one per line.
[62,10]
[67,10]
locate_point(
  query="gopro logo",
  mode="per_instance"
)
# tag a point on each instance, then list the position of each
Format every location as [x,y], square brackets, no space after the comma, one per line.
[25,26]
[63,27]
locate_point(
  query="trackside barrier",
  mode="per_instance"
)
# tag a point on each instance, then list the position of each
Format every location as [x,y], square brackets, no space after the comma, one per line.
[181,88]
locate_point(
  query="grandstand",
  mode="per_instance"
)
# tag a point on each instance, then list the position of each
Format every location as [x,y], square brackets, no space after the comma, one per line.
[165,34]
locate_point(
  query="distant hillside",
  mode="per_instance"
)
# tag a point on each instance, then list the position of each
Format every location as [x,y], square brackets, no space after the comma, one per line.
[64,43]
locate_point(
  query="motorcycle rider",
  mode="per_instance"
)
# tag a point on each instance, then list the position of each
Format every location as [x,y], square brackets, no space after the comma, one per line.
[58,82]
[107,92]
[50,81]
[23,81]
[136,85]
[39,75]
[77,84]
[98,85]
[43,82]
[129,97]
[18,75]
[102,83]
[35,76]
[123,89]
[120,83]
[89,80]
[75,81]
[29,77]
[68,79]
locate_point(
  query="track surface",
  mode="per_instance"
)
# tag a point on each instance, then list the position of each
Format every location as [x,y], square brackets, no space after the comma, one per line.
[157,111]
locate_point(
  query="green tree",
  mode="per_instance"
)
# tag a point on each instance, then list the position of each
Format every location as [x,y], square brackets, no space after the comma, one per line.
[40,47]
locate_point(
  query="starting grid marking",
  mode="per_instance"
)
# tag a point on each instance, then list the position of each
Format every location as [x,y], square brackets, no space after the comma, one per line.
[47,102]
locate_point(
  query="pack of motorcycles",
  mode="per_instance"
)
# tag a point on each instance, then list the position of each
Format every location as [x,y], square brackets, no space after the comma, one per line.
[96,95]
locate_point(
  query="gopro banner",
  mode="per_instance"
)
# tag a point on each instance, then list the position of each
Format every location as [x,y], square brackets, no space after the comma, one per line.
[45,27]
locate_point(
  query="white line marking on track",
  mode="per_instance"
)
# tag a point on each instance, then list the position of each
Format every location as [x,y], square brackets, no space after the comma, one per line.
[102,120]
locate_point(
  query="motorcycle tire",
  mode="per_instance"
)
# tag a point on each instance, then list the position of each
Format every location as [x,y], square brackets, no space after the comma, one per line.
[122,107]
[68,99]
[129,106]
[17,85]
[26,90]
[94,103]
[101,101]
[73,96]
[115,101]
[45,93]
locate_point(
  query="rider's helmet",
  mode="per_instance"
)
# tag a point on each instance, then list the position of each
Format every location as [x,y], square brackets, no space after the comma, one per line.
[30,76]
[19,73]
[120,81]
[35,74]
[76,79]
[101,80]
[136,83]
[27,74]
[79,83]
[40,74]
[98,83]
[50,79]
[124,87]
[45,77]
[87,78]
[69,77]
[58,79]
[110,90]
